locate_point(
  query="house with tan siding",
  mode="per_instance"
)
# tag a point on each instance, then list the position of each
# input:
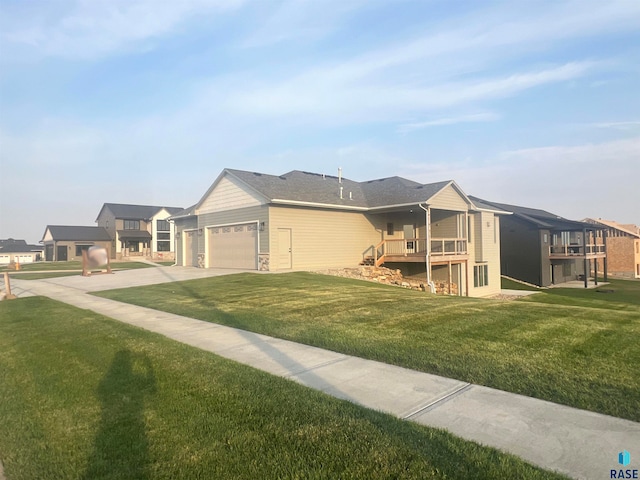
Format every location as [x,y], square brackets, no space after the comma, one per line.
[66,242]
[623,247]
[308,221]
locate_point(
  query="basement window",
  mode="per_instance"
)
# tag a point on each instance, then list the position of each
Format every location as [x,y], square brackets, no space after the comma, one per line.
[481,276]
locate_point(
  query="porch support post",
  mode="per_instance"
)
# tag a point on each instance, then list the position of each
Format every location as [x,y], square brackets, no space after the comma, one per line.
[466,277]
[595,270]
[427,229]
[586,266]
[449,278]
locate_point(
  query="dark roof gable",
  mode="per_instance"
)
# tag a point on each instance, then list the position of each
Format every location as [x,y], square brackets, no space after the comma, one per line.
[136,212]
[540,218]
[77,233]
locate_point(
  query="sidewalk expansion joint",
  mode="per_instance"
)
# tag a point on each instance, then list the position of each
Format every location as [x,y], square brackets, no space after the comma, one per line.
[436,403]
[315,367]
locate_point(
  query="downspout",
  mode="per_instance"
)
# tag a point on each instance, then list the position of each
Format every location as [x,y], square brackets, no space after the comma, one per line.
[175,243]
[427,229]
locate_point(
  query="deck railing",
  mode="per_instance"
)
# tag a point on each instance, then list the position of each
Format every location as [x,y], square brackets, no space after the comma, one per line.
[575,250]
[448,246]
[417,247]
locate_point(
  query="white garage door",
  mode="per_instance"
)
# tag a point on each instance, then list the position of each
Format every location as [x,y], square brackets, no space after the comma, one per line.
[234,246]
[5,259]
[25,258]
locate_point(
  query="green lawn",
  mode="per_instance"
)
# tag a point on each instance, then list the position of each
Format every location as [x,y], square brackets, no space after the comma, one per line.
[582,356]
[616,295]
[86,397]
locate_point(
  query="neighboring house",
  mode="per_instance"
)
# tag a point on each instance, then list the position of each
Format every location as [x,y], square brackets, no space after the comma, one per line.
[307,221]
[139,230]
[19,251]
[66,242]
[544,249]
[623,247]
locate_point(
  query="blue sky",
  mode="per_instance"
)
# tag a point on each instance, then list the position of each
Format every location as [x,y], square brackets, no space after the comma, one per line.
[145,101]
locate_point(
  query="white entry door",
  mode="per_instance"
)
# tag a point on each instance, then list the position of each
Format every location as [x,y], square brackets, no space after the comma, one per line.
[284,249]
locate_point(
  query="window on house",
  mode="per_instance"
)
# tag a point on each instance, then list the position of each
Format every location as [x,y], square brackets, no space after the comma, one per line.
[637,247]
[164,236]
[132,224]
[469,229]
[389,228]
[545,238]
[162,225]
[481,275]
[80,248]
[163,246]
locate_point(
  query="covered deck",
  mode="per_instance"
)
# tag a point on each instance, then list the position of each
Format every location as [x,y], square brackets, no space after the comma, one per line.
[415,250]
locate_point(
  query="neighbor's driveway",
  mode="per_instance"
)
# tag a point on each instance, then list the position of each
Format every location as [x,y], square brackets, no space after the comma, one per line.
[119,279]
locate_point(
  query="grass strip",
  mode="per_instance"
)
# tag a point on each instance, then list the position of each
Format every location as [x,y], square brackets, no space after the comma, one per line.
[86,397]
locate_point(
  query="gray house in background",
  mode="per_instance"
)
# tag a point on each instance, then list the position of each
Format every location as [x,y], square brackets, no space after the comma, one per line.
[66,242]
[544,249]
[139,230]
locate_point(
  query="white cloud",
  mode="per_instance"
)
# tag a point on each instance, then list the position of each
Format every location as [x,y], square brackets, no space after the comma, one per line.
[95,28]
[325,98]
[578,181]
[618,125]
[302,20]
[471,118]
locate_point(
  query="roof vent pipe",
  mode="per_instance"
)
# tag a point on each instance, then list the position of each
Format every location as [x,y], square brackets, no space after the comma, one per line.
[341,193]
[340,175]
[350,195]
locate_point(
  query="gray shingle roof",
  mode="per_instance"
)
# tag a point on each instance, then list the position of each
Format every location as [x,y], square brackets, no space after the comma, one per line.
[11,242]
[299,186]
[136,212]
[541,218]
[20,248]
[78,233]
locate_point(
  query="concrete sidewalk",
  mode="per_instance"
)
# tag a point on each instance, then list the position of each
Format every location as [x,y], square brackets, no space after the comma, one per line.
[575,442]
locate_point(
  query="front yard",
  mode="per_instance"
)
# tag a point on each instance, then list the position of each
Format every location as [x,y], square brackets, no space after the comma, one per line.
[575,348]
[86,397]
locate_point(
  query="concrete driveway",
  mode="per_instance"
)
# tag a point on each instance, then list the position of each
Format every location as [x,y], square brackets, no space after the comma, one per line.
[123,279]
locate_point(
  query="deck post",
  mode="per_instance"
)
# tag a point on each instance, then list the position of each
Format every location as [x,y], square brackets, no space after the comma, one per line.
[586,265]
[595,270]
[604,237]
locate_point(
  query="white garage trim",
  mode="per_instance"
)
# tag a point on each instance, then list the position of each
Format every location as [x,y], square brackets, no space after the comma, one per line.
[207,241]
